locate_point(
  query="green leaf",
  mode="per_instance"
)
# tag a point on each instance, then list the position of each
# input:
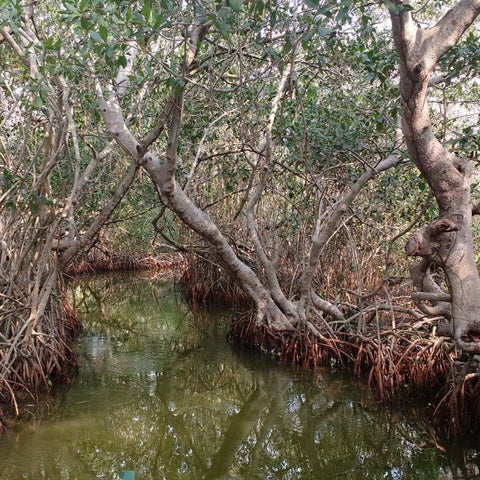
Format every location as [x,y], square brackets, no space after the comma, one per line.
[122,61]
[236,5]
[38,102]
[147,11]
[324,32]
[397,8]
[288,43]
[104,33]
[50,44]
[70,6]
[137,17]
[259,9]
[85,23]
[95,36]
[158,20]
[222,22]
[273,19]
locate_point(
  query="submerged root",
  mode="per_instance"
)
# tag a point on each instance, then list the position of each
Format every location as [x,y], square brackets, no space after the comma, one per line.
[457,405]
[401,362]
[101,260]
[204,284]
[395,348]
[397,362]
[33,358]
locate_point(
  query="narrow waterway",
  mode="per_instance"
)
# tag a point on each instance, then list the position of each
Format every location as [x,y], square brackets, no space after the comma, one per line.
[162,394]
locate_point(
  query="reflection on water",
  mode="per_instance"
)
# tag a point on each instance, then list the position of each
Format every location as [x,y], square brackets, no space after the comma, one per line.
[160,392]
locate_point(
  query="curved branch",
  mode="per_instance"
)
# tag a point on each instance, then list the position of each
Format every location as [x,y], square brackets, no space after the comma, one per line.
[429,290]
[263,168]
[323,232]
[448,30]
[103,216]
[327,307]
[427,241]
[431,296]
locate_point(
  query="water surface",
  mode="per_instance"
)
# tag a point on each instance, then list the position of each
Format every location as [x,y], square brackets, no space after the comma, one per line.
[160,392]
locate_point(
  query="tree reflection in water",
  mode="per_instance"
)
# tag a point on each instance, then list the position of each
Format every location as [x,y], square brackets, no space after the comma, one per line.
[161,392]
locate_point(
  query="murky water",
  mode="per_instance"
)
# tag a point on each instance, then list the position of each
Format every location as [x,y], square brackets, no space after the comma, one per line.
[161,393]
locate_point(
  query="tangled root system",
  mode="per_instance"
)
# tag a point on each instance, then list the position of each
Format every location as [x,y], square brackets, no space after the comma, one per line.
[101,261]
[404,362]
[35,357]
[204,284]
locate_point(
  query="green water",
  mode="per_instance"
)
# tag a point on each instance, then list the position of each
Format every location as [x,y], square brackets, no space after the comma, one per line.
[161,393]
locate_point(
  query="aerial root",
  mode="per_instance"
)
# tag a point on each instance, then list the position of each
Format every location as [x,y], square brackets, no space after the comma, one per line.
[204,284]
[395,362]
[393,347]
[33,360]
[101,260]
[458,404]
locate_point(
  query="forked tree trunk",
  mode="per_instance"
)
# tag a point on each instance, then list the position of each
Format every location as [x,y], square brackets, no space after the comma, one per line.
[274,310]
[447,242]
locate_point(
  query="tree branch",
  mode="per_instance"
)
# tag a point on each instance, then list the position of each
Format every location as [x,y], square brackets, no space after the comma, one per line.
[323,232]
[103,216]
[448,30]
[429,290]
[263,169]
[160,124]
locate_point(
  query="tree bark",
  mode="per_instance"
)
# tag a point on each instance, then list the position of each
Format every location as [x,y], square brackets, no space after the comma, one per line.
[448,241]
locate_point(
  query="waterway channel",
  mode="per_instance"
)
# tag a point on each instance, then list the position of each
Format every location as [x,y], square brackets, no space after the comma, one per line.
[162,394]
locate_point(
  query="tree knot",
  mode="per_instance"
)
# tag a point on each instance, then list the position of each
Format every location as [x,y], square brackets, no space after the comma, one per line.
[425,242]
[441,226]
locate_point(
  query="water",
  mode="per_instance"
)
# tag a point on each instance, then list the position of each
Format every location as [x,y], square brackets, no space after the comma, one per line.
[161,393]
